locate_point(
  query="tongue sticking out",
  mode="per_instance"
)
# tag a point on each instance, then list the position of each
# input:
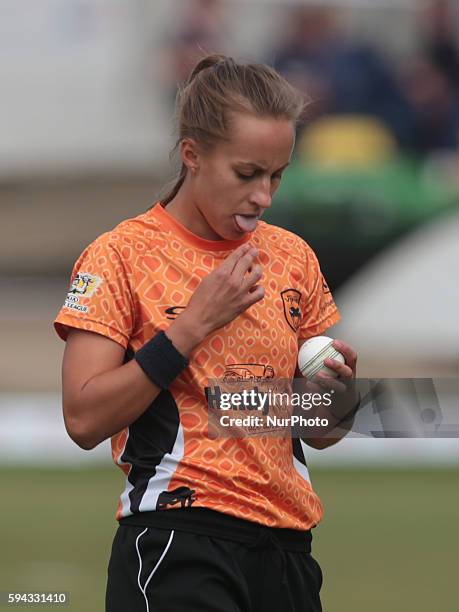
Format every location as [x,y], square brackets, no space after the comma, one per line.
[246,224]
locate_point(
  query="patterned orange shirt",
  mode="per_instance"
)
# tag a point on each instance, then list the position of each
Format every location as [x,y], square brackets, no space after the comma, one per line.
[134,281]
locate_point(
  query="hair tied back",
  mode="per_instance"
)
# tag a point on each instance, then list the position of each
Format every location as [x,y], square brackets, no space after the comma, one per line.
[207,62]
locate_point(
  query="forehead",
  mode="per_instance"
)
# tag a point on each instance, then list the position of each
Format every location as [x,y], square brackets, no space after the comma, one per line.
[265,141]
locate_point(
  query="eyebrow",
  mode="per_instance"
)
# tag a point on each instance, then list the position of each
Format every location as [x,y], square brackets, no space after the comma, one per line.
[259,167]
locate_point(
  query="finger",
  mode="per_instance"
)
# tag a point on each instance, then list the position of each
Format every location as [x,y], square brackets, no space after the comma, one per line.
[305,385]
[255,295]
[329,383]
[251,278]
[348,353]
[244,263]
[233,258]
[343,370]
[314,387]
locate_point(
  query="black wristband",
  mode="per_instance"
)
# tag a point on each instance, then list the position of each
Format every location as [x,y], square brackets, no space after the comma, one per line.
[160,360]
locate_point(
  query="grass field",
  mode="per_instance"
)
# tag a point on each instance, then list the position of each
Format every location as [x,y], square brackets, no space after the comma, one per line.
[389,539]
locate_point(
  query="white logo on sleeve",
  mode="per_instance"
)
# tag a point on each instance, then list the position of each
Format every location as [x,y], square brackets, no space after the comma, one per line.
[83,285]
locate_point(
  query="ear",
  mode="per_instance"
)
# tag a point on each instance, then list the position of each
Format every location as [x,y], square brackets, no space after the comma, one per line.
[189,152]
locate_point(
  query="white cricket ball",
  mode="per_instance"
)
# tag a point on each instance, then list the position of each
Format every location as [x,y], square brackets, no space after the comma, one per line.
[312,355]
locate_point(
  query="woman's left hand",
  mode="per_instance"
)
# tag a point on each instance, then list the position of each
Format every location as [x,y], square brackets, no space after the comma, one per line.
[346,371]
[347,397]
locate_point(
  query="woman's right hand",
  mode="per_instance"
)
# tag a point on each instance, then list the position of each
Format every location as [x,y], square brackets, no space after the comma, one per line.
[101,396]
[220,297]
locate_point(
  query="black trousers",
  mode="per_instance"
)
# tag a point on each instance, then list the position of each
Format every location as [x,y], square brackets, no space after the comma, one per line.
[234,566]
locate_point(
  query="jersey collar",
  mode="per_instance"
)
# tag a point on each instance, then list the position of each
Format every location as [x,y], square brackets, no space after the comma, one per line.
[167,221]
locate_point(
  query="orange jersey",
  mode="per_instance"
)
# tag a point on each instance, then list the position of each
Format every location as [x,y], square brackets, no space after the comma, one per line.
[134,281]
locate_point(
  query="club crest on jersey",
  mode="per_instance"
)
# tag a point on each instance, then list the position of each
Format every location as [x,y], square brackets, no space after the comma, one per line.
[291,301]
[83,286]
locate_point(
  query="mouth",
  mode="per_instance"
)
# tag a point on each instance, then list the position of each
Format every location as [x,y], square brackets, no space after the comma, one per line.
[246,223]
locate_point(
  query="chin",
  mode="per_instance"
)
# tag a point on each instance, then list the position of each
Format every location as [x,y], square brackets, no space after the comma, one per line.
[227,232]
[234,234]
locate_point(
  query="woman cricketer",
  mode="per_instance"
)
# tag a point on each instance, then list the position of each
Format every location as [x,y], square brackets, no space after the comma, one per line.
[196,287]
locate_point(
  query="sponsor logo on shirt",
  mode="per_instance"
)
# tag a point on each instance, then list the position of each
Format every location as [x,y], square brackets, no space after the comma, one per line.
[182,496]
[237,372]
[83,285]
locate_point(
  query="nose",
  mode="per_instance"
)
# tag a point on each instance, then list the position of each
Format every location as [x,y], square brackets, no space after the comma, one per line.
[262,196]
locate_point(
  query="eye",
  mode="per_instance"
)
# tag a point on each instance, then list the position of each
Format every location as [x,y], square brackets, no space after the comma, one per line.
[244,177]
[277,176]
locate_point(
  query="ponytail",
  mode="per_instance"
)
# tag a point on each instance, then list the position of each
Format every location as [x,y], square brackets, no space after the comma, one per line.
[177,183]
[206,62]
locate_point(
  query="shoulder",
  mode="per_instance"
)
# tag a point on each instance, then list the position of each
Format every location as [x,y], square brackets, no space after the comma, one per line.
[131,238]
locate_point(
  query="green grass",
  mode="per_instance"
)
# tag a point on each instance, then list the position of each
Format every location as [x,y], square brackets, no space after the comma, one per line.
[389,539]
[57,533]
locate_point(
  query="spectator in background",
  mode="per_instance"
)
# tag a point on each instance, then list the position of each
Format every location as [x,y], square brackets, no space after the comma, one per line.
[201,31]
[431,81]
[342,76]
[434,107]
[438,25]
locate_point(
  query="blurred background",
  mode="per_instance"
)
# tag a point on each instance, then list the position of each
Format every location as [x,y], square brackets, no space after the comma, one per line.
[86,126]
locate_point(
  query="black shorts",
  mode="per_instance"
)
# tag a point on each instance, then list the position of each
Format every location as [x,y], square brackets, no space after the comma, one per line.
[198,560]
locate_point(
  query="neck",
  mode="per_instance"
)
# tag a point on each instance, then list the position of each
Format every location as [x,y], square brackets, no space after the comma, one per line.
[184,208]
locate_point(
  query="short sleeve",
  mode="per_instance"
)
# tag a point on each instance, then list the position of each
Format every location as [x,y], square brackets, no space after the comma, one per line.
[319,311]
[99,297]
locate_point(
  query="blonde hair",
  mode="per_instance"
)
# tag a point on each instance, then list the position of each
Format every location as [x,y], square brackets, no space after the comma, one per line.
[219,86]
